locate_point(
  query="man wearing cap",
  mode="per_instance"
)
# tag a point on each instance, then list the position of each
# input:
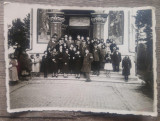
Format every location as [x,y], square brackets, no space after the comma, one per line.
[86,66]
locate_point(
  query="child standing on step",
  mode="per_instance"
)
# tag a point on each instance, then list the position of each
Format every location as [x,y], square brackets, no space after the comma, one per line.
[108,64]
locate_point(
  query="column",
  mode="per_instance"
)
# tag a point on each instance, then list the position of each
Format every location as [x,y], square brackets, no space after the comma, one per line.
[98,21]
[56,24]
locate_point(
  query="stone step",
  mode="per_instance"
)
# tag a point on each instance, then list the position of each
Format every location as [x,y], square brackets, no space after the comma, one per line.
[94,78]
[102,75]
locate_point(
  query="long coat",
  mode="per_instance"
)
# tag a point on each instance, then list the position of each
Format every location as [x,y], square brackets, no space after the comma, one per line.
[51,45]
[65,67]
[54,63]
[44,64]
[60,60]
[126,65]
[71,59]
[78,63]
[87,60]
[102,54]
[25,63]
[13,70]
[116,58]
[96,54]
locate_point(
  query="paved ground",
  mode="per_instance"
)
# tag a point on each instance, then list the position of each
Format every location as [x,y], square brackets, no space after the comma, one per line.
[102,93]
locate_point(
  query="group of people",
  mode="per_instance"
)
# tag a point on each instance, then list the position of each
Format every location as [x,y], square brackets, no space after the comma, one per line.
[65,55]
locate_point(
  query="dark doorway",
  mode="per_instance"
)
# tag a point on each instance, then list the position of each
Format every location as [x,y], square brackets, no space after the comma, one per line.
[79,31]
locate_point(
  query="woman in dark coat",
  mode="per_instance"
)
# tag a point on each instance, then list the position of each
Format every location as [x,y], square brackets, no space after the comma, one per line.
[54,63]
[78,64]
[26,65]
[126,65]
[45,64]
[65,67]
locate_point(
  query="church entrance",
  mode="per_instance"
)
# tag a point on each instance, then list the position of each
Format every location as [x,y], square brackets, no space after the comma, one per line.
[82,31]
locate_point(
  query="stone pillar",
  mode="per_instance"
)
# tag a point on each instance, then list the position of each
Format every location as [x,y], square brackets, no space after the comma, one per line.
[56,24]
[98,21]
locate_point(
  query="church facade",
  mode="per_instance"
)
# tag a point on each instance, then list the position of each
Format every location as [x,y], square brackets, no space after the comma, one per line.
[118,25]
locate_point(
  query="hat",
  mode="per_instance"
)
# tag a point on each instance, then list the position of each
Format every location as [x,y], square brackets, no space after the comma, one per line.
[55,34]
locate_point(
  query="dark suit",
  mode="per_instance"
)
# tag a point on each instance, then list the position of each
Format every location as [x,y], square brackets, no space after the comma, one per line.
[96,60]
[45,65]
[126,65]
[116,59]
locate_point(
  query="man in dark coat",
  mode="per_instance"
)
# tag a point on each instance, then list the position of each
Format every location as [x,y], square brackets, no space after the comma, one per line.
[65,67]
[102,56]
[54,64]
[60,59]
[72,52]
[78,64]
[78,42]
[86,66]
[116,59]
[112,46]
[70,41]
[45,64]
[83,48]
[96,60]
[126,65]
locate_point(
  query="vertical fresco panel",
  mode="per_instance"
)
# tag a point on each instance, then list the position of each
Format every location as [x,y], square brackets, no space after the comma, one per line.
[116,26]
[43,26]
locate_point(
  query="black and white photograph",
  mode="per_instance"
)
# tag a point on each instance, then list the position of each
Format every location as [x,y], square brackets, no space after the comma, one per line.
[87,59]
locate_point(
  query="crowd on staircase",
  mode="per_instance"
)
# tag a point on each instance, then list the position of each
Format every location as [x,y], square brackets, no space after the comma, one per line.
[67,56]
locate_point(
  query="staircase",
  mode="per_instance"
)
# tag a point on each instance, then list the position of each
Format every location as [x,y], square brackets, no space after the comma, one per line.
[115,77]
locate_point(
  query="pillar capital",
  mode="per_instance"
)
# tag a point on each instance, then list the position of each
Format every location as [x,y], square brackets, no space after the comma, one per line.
[98,19]
[56,16]
[56,19]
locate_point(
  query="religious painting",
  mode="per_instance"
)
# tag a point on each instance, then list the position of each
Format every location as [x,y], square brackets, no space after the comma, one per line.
[43,28]
[116,26]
